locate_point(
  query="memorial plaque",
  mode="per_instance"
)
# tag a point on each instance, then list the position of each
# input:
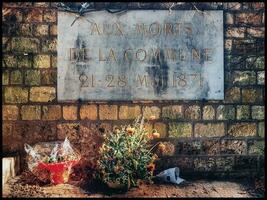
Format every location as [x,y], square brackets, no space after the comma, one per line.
[140,55]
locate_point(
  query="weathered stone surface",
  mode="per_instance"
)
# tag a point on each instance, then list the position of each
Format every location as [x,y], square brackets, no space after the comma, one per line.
[52,112]
[232,6]
[42,94]
[180,129]
[129,112]
[261,129]
[145,82]
[10,112]
[11,13]
[24,44]
[256,147]
[32,77]
[161,128]
[16,77]
[248,18]
[257,112]
[251,95]
[242,112]
[256,32]
[204,164]
[49,46]
[50,16]
[209,130]
[41,30]
[208,113]
[244,77]
[70,112]
[16,95]
[242,129]
[228,44]
[234,32]
[41,61]
[211,147]
[53,30]
[24,61]
[33,15]
[224,163]
[232,95]
[192,112]
[54,61]
[109,112]
[149,111]
[148,127]
[90,112]
[189,148]
[225,112]
[49,77]
[172,112]
[229,18]
[30,112]
[9,61]
[25,30]
[5,77]
[261,77]
[233,147]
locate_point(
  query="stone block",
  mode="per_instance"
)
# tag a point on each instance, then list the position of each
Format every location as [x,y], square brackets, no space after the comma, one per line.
[16,95]
[209,130]
[250,95]
[5,77]
[225,112]
[41,61]
[108,112]
[41,30]
[32,77]
[10,112]
[70,112]
[232,95]
[34,15]
[149,111]
[16,77]
[52,112]
[50,16]
[204,164]
[233,147]
[30,112]
[242,112]
[90,112]
[48,77]
[180,129]
[242,129]
[258,112]
[261,78]
[208,112]
[129,112]
[192,112]
[22,44]
[172,112]
[49,46]
[234,32]
[42,94]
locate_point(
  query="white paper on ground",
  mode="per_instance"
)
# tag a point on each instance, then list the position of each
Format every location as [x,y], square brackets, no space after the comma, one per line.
[171,175]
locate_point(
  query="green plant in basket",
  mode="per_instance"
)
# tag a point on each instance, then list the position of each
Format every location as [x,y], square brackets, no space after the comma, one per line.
[125,157]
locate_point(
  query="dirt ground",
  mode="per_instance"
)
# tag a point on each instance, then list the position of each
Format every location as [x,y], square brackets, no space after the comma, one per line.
[190,188]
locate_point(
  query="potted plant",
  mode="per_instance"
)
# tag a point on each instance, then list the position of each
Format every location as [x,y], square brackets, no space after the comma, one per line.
[125,157]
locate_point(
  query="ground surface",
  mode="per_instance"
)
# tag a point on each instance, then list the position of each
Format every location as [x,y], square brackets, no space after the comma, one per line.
[191,188]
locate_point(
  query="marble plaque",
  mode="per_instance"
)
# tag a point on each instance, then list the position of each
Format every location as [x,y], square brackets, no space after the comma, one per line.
[140,55]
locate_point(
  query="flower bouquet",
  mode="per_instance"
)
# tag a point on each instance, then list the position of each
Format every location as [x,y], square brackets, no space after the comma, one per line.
[125,157]
[56,158]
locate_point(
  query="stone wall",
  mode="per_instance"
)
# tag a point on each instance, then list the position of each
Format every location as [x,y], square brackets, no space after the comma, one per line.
[220,137]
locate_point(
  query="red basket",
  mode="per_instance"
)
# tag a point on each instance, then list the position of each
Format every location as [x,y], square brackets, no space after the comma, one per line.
[59,171]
